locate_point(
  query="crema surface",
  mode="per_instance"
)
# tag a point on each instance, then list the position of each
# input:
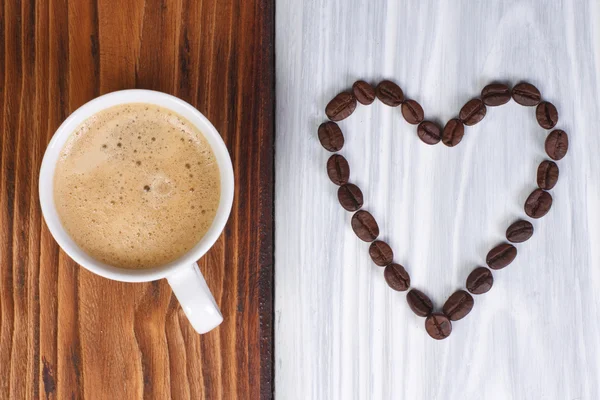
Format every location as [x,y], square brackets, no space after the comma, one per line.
[136,186]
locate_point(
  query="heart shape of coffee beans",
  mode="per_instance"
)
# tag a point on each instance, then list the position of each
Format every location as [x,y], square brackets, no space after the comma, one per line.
[439,324]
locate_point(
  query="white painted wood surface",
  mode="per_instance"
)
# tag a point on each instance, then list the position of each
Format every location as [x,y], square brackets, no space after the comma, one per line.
[341,333]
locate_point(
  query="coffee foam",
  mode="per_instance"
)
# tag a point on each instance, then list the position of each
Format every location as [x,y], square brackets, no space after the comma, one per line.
[136,186]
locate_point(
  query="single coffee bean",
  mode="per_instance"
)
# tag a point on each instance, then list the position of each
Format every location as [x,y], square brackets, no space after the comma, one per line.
[350,197]
[453,132]
[341,107]
[412,112]
[519,231]
[429,132]
[397,277]
[364,92]
[438,326]
[557,144]
[495,94]
[501,255]
[472,112]
[338,169]
[365,226]
[546,114]
[381,253]
[538,203]
[419,303]
[480,280]
[389,93]
[331,137]
[547,175]
[526,94]
[458,305]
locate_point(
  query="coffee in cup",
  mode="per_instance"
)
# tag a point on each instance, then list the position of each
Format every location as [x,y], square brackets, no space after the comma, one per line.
[136,186]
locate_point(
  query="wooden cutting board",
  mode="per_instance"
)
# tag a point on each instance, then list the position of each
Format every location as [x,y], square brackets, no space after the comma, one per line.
[66,333]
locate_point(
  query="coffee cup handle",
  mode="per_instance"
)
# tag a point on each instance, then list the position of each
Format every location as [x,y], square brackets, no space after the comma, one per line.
[195,298]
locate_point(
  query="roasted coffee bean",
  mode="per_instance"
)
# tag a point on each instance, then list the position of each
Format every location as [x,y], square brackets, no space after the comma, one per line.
[350,197]
[453,132]
[438,326]
[480,280]
[538,203]
[412,112]
[341,107]
[397,277]
[472,112]
[365,226]
[331,137]
[501,255]
[381,253]
[495,94]
[547,175]
[389,93]
[364,92]
[429,132]
[338,169]
[546,114]
[519,231]
[419,303]
[458,305]
[526,94]
[557,144]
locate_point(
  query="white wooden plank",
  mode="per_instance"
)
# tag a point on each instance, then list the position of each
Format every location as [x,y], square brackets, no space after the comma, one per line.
[341,333]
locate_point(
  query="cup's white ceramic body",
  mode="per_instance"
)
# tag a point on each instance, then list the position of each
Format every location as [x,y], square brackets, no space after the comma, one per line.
[183,274]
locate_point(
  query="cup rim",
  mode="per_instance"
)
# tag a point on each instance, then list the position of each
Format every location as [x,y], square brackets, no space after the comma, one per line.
[66,129]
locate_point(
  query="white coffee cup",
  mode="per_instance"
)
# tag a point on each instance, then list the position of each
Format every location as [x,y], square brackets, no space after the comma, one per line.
[183,274]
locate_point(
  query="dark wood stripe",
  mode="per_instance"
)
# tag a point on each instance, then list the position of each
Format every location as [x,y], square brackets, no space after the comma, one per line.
[265,79]
[12,101]
[22,188]
[29,155]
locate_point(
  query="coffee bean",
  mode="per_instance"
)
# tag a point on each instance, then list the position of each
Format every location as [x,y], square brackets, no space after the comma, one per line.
[526,94]
[501,255]
[412,112]
[331,137]
[472,112]
[538,203]
[438,326]
[453,132]
[350,197]
[364,92]
[381,253]
[519,231]
[389,93]
[546,114]
[365,226]
[557,144]
[458,305]
[338,169]
[396,277]
[547,175]
[341,107]
[429,132]
[419,303]
[495,94]
[480,280]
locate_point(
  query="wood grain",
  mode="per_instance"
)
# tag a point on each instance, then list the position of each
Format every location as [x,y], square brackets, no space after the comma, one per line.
[341,333]
[66,333]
